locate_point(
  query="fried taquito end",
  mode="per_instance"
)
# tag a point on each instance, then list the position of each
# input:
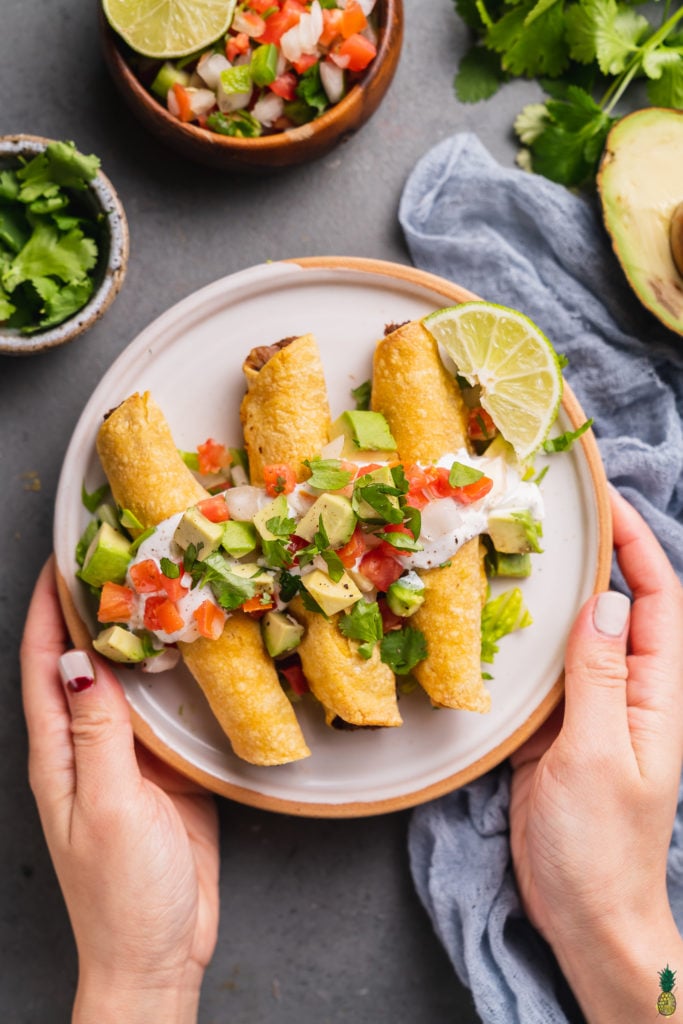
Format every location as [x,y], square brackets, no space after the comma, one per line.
[360,692]
[285,412]
[286,418]
[238,679]
[423,405]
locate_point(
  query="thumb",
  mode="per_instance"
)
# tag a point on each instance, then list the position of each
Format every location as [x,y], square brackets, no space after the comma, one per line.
[596,671]
[101,731]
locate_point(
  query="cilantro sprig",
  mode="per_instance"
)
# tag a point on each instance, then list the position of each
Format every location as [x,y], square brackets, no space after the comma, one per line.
[586,55]
[48,240]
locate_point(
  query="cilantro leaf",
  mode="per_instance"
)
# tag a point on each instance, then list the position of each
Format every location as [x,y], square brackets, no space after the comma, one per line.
[530,45]
[46,254]
[569,148]
[361,395]
[665,89]
[403,649]
[310,89]
[479,75]
[605,31]
[230,590]
[363,623]
[94,498]
[564,442]
[327,474]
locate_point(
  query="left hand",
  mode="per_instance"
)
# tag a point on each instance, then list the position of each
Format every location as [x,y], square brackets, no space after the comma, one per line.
[134,844]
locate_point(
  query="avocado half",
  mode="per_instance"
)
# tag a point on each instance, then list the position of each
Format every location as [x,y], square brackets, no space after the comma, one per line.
[640,182]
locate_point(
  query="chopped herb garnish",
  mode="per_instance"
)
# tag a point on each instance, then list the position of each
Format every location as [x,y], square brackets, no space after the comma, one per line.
[334,564]
[361,395]
[403,649]
[564,442]
[170,570]
[401,541]
[364,624]
[129,520]
[230,590]
[142,537]
[94,498]
[327,474]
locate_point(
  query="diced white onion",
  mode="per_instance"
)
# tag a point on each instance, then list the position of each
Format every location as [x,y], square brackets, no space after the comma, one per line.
[332,78]
[342,60]
[201,100]
[162,662]
[333,448]
[303,37]
[244,502]
[290,43]
[172,103]
[238,475]
[268,109]
[243,23]
[210,66]
[229,101]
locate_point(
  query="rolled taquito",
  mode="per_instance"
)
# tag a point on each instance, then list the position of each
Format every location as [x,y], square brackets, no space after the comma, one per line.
[148,476]
[286,417]
[423,405]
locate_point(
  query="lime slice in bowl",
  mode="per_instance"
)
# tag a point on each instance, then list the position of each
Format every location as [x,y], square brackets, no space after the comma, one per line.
[512,361]
[169,28]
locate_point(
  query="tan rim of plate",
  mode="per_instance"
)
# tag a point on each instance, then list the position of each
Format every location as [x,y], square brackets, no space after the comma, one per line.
[80,634]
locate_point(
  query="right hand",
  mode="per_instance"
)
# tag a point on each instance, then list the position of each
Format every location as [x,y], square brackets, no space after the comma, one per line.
[594,794]
[134,844]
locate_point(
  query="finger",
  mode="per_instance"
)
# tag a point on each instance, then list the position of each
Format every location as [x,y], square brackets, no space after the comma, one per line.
[596,673]
[101,731]
[535,747]
[51,769]
[163,776]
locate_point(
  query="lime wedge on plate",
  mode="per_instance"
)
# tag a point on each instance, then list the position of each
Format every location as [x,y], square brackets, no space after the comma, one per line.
[512,361]
[169,28]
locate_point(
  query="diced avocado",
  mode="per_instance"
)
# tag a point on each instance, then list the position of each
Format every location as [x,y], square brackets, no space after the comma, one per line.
[238,538]
[166,78]
[365,430]
[118,644]
[332,597]
[405,595]
[516,565]
[382,475]
[194,528]
[107,557]
[513,531]
[254,573]
[106,513]
[281,633]
[276,509]
[337,517]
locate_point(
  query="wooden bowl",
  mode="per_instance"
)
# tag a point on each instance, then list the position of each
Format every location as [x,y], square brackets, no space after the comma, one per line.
[102,202]
[295,146]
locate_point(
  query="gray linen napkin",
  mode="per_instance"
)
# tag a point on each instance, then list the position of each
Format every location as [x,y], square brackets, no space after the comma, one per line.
[522,241]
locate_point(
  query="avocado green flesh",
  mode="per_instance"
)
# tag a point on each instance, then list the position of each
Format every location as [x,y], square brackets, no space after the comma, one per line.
[641,185]
[281,633]
[107,557]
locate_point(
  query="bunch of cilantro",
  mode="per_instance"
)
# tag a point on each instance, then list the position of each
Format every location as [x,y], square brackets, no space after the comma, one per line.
[585,54]
[48,242]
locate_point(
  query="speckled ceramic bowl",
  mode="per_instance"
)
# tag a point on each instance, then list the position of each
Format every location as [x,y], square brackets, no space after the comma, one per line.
[112,261]
[283,149]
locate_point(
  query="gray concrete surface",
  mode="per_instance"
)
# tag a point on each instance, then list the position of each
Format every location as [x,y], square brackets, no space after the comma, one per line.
[320,923]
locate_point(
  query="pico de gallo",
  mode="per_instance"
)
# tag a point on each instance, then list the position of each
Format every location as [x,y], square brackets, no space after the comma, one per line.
[281,64]
[352,538]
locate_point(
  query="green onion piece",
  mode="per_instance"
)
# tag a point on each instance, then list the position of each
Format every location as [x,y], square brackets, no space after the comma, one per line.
[263,64]
[236,79]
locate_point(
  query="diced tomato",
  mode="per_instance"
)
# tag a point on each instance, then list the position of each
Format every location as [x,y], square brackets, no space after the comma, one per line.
[210,620]
[294,674]
[278,478]
[389,619]
[252,23]
[284,85]
[418,480]
[173,588]
[305,61]
[379,568]
[183,100]
[162,614]
[213,457]
[353,19]
[236,45]
[281,21]
[370,468]
[145,576]
[332,19]
[257,607]
[473,492]
[480,426]
[353,549]
[116,603]
[214,509]
[356,52]
[261,6]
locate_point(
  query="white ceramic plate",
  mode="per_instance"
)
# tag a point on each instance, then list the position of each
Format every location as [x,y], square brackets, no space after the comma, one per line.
[190,358]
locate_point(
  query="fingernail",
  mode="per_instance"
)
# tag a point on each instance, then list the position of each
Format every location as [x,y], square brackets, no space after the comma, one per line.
[76,671]
[611,612]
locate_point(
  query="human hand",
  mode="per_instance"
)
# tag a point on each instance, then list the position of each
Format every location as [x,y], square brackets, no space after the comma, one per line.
[134,844]
[594,793]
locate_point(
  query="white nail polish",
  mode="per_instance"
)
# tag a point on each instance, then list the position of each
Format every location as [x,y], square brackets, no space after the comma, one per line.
[76,671]
[611,612]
